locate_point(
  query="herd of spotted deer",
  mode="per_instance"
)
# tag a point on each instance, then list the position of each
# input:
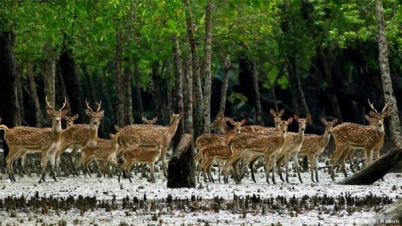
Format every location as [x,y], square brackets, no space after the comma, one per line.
[148,142]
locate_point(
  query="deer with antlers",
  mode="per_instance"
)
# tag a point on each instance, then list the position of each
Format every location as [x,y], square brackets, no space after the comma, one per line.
[80,135]
[31,139]
[145,134]
[314,145]
[349,136]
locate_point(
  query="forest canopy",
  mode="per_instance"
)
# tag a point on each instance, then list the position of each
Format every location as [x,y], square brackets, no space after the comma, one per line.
[199,58]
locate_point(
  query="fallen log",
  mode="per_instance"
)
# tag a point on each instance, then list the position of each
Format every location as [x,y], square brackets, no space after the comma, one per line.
[375,171]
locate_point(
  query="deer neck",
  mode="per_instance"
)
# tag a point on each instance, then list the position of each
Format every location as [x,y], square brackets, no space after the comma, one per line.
[57,131]
[300,135]
[224,128]
[93,135]
[173,127]
[326,137]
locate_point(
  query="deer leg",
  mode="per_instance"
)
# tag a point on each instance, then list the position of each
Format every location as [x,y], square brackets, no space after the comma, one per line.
[52,158]
[163,156]
[338,152]
[296,161]
[151,166]
[286,159]
[9,163]
[71,157]
[279,166]
[43,166]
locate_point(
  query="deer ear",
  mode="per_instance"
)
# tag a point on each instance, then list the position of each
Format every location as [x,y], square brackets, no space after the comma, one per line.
[75,117]
[290,120]
[281,112]
[308,118]
[243,121]
[272,112]
[232,122]
[324,121]
[335,121]
[296,117]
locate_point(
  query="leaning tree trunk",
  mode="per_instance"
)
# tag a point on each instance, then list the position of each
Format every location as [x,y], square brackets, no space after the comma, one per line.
[375,170]
[393,212]
[181,165]
[197,89]
[34,96]
[394,123]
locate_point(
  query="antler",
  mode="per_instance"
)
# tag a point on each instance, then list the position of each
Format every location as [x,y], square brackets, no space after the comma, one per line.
[89,108]
[99,106]
[371,105]
[64,104]
[385,107]
[48,104]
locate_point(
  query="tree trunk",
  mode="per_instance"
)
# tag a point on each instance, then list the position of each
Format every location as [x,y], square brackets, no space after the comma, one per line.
[34,96]
[257,99]
[197,89]
[392,213]
[157,92]
[20,90]
[207,66]
[109,103]
[119,81]
[72,82]
[181,165]
[375,170]
[90,83]
[138,96]
[188,98]
[128,99]
[394,123]
[48,67]
[8,96]
[178,84]
[227,66]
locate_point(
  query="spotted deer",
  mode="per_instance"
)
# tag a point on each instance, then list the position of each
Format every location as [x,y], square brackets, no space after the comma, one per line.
[145,134]
[140,154]
[22,139]
[213,140]
[105,150]
[149,121]
[217,151]
[292,147]
[250,159]
[268,145]
[79,135]
[70,121]
[350,136]
[314,145]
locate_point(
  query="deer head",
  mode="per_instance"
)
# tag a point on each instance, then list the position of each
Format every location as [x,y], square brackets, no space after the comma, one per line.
[95,116]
